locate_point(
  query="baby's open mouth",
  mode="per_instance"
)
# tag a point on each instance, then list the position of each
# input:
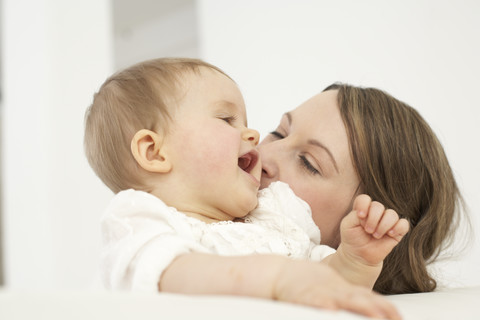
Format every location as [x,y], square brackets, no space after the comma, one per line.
[248,161]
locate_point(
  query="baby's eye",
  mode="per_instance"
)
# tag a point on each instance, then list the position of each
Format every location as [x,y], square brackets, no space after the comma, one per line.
[229,119]
[277,134]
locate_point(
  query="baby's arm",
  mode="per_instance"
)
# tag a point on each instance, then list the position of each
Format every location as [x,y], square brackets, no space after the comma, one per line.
[368,235]
[272,277]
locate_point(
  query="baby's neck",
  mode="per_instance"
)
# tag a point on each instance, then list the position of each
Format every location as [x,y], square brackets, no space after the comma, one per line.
[201,217]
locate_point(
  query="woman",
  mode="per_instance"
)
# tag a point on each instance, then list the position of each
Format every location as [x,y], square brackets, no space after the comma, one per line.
[349,140]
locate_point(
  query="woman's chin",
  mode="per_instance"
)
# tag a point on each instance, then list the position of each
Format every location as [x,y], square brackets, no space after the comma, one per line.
[264,183]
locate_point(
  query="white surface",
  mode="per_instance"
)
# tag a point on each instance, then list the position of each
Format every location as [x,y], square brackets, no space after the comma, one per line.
[458,303]
[60,305]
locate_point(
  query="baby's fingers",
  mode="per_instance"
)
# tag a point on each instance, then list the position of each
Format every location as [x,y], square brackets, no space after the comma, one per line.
[399,230]
[388,220]
[358,300]
[361,204]
[373,306]
[375,214]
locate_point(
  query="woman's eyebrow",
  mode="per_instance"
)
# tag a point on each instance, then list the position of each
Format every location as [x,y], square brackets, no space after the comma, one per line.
[321,145]
[316,143]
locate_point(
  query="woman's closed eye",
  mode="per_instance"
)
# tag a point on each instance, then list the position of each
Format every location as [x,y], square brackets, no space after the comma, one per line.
[304,162]
[307,165]
[277,134]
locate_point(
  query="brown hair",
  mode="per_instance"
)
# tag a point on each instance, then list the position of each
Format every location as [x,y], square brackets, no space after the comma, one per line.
[401,163]
[139,97]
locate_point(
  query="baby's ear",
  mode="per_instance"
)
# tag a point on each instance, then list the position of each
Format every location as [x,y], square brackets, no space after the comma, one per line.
[146,147]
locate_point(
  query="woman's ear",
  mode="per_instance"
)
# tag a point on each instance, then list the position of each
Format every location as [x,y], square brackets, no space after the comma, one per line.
[146,147]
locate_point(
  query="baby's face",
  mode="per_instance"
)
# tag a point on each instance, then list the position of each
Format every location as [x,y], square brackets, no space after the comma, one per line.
[215,154]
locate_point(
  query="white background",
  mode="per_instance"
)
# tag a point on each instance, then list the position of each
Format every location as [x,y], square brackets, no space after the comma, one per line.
[57,53]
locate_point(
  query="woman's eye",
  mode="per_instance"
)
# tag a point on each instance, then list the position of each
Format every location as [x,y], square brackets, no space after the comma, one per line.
[307,165]
[277,134]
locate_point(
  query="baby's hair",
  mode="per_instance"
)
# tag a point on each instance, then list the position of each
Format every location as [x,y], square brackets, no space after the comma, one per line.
[139,97]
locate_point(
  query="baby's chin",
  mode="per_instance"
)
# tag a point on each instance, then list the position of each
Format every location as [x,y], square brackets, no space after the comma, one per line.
[250,206]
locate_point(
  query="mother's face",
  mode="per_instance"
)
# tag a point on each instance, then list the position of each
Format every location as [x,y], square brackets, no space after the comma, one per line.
[309,150]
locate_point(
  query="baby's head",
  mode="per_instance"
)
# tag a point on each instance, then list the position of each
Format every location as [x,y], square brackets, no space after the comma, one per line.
[139,97]
[175,128]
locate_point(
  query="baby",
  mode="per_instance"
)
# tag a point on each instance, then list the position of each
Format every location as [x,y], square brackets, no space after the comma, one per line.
[170,137]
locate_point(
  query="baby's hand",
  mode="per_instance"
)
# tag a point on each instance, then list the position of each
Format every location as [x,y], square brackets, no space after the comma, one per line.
[318,285]
[370,232]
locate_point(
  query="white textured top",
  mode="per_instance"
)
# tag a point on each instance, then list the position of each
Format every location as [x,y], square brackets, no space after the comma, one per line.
[142,235]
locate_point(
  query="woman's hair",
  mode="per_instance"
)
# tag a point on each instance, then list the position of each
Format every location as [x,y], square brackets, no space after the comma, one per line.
[139,97]
[401,163]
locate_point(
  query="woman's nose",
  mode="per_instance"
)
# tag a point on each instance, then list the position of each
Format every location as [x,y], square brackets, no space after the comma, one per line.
[251,135]
[269,155]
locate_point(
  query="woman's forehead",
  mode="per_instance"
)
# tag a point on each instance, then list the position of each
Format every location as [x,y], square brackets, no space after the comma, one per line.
[321,108]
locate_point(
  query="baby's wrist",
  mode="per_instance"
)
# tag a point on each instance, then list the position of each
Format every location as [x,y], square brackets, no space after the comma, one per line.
[355,260]
[279,277]
[356,269]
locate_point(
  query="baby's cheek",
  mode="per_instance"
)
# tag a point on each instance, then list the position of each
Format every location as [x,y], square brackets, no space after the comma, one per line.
[219,154]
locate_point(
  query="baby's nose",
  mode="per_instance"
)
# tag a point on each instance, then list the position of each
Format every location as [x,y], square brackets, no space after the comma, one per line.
[251,135]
